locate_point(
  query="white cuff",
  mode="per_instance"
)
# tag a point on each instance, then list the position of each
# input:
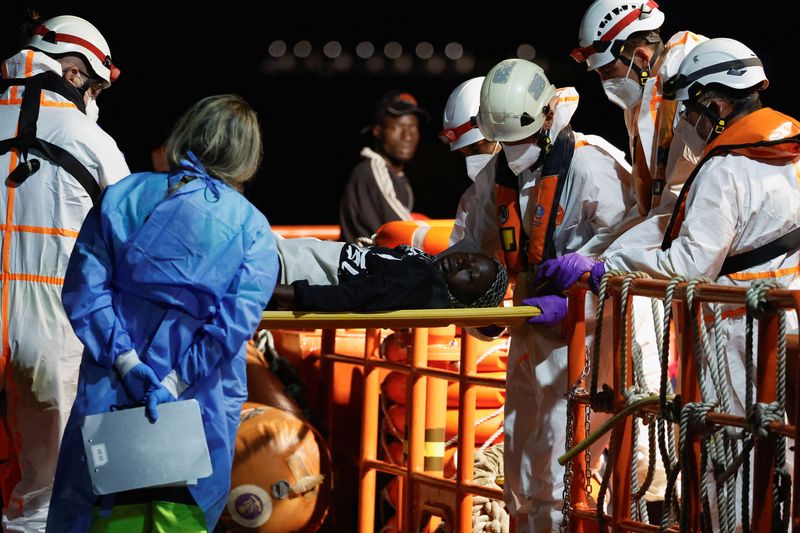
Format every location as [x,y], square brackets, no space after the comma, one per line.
[173,384]
[124,362]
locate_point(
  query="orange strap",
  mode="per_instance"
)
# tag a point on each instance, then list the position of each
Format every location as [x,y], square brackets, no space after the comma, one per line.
[510,224]
[544,198]
[763,134]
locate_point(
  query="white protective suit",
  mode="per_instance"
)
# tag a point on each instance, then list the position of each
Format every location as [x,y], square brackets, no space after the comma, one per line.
[596,198]
[642,122]
[40,354]
[735,204]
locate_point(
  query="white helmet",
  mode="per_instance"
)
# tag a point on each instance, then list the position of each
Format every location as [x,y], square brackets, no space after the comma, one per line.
[724,61]
[66,34]
[460,128]
[608,23]
[515,99]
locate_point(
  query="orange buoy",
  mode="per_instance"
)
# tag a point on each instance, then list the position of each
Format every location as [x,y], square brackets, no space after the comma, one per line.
[394,388]
[431,236]
[492,356]
[492,421]
[281,477]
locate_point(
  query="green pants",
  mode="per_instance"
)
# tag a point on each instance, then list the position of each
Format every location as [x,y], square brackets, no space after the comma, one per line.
[152,517]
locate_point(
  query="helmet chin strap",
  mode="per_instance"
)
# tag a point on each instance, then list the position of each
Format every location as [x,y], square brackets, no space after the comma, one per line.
[642,73]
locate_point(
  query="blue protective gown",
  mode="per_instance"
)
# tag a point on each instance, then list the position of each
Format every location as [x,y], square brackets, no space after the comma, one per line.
[182,279]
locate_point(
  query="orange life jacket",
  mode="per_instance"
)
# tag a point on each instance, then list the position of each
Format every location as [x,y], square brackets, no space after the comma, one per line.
[763,134]
[521,251]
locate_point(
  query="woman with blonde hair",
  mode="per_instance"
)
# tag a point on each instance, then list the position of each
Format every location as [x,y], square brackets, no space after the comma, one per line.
[167,281]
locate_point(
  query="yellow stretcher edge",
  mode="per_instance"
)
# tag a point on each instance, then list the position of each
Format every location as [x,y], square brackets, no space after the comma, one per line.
[409,318]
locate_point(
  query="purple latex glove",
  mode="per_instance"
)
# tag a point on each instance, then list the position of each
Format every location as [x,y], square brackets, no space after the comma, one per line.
[596,274]
[564,271]
[158,395]
[553,307]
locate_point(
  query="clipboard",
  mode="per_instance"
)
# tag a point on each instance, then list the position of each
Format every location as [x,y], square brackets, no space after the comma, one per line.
[125,451]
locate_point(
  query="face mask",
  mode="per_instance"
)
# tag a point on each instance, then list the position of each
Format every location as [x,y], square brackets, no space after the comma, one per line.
[475,164]
[624,92]
[92,110]
[689,135]
[521,156]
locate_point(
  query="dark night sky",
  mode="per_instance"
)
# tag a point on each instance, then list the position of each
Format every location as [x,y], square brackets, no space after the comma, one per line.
[311,116]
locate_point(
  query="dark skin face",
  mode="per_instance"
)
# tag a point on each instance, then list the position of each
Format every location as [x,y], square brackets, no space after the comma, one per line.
[396,139]
[468,276]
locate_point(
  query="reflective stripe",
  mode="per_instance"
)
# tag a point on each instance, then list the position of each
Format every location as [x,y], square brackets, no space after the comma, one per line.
[434,449]
[61,232]
[747,276]
[31,277]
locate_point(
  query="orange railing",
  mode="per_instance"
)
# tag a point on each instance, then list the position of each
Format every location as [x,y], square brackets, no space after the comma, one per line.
[424,493]
[584,518]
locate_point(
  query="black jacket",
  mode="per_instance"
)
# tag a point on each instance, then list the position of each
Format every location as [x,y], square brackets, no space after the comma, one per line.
[374,279]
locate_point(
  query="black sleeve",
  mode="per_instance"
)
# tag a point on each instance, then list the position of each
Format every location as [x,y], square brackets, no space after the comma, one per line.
[372,293]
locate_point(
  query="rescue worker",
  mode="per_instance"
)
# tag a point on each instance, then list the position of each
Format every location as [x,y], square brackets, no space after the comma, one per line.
[333,276]
[550,191]
[739,211]
[460,131]
[54,161]
[193,264]
[378,190]
[621,42]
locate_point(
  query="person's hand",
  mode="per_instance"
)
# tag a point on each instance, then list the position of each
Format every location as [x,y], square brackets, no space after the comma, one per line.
[156,396]
[596,274]
[564,271]
[553,309]
[139,380]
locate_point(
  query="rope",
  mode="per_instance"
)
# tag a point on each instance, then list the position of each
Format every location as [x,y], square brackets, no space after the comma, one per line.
[489,515]
[711,364]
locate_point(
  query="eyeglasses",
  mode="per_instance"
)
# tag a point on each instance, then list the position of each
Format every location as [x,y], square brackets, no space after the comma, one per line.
[451,135]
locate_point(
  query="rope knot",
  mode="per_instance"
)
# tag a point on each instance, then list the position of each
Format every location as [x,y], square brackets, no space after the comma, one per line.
[757,297]
[762,415]
[695,415]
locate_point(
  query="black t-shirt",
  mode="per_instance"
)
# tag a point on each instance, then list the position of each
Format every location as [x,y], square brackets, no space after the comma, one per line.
[375,279]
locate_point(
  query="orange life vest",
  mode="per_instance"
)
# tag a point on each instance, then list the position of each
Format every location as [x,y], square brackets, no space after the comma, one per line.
[521,251]
[763,134]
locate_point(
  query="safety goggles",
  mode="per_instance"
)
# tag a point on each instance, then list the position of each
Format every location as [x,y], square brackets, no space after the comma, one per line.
[603,43]
[451,135]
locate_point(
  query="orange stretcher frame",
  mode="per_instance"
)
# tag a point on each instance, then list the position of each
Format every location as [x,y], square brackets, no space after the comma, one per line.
[583,518]
[424,492]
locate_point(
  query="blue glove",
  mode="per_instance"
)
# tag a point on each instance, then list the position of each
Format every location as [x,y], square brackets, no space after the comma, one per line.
[596,274]
[564,271]
[139,380]
[160,394]
[553,307]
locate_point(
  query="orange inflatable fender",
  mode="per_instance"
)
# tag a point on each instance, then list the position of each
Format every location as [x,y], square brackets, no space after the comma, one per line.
[282,474]
[431,236]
